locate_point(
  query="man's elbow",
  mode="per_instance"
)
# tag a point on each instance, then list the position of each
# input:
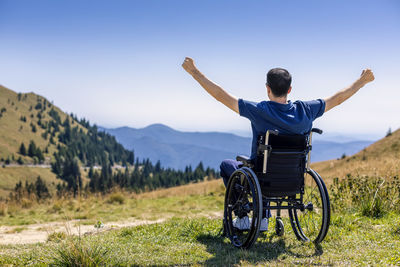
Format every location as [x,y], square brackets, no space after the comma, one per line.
[333,102]
[230,103]
[329,104]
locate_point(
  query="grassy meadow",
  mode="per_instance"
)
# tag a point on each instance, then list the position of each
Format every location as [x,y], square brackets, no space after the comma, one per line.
[352,240]
[190,235]
[193,200]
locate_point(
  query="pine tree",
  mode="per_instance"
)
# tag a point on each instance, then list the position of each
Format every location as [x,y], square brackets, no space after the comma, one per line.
[41,189]
[71,174]
[131,158]
[22,149]
[18,190]
[90,174]
[157,168]
[199,172]
[20,161]
[389,132]
[32,149]
[39,155]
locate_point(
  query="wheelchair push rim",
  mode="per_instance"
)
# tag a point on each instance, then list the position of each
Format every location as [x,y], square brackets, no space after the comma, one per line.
[311,223]
[243,198]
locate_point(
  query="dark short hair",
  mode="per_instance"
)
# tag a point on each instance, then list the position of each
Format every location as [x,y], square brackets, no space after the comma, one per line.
[279,81]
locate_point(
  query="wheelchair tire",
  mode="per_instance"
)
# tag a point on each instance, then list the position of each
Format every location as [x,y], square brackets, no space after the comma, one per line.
[243,198]
[312,222]
[279,227]
[329,205]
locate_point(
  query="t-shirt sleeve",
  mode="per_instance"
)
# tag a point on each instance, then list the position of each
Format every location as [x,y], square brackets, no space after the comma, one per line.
[247,109]
[316,107]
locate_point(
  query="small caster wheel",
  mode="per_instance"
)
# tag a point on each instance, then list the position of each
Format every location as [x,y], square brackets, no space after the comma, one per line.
[279,227]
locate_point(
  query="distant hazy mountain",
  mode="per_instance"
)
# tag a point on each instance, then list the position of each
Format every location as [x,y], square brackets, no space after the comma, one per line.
[178,149]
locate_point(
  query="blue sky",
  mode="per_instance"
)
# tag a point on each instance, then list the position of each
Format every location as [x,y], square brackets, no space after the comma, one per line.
[118,62]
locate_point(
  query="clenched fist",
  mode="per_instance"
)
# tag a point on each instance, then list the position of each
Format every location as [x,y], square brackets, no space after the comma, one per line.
[367,76]
[188,65]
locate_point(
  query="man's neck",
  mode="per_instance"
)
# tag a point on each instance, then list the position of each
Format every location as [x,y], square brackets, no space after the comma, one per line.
[281,100]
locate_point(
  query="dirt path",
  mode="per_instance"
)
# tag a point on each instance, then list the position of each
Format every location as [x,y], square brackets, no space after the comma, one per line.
[35,233]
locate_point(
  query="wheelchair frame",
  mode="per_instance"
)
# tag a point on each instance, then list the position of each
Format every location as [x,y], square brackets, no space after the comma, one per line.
[261,203]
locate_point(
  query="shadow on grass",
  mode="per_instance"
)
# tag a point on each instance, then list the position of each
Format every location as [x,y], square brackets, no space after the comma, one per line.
[265,249]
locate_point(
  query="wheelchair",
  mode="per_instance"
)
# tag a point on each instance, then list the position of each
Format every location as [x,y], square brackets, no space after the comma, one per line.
[279,178]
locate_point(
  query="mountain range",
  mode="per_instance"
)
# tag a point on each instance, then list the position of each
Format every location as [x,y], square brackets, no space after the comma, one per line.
[177,149]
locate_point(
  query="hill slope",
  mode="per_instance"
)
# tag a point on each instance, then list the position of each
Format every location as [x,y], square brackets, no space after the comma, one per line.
[178,149]
[19,124]
[33,130]
[382,158]
[20,114]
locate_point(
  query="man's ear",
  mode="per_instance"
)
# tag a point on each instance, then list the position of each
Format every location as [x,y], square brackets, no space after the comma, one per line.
[290,89]
[268,89]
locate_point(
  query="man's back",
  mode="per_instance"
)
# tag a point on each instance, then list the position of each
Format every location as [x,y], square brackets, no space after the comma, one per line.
[291,118]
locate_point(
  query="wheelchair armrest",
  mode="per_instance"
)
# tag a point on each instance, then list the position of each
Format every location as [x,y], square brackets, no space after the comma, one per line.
[274,132]
[316,130]
[244,159]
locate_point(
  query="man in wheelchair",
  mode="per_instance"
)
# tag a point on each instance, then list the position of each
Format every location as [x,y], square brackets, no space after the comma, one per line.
[279,115]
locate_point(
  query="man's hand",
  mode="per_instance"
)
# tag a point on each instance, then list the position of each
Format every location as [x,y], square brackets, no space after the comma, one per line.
[188,65]
[367,76]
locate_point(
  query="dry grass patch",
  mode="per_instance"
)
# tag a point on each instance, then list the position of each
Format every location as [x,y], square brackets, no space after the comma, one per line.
[9,176]
[117,198]
[202,188]
[379,159]
[16,230]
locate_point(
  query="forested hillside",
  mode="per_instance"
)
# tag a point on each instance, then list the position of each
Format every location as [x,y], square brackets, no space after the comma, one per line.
[35,132]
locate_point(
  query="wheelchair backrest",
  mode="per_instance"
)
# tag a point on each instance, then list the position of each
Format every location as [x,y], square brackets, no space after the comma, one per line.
[281,163]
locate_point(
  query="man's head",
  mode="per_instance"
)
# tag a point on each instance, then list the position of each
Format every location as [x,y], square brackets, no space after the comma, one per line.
[278,81]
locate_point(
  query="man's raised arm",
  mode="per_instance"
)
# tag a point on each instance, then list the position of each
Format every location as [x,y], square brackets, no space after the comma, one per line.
[213,89]
[341,96]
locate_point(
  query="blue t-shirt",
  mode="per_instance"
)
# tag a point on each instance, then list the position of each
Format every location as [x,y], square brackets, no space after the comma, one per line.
[292,118]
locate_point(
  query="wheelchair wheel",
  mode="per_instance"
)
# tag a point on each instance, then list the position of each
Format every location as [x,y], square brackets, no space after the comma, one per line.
[329,205]
[279,227]
[311,222]
[243,198]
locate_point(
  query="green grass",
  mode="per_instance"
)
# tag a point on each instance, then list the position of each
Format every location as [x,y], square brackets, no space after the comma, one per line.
[115,207]
[352,240]
[190,236]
